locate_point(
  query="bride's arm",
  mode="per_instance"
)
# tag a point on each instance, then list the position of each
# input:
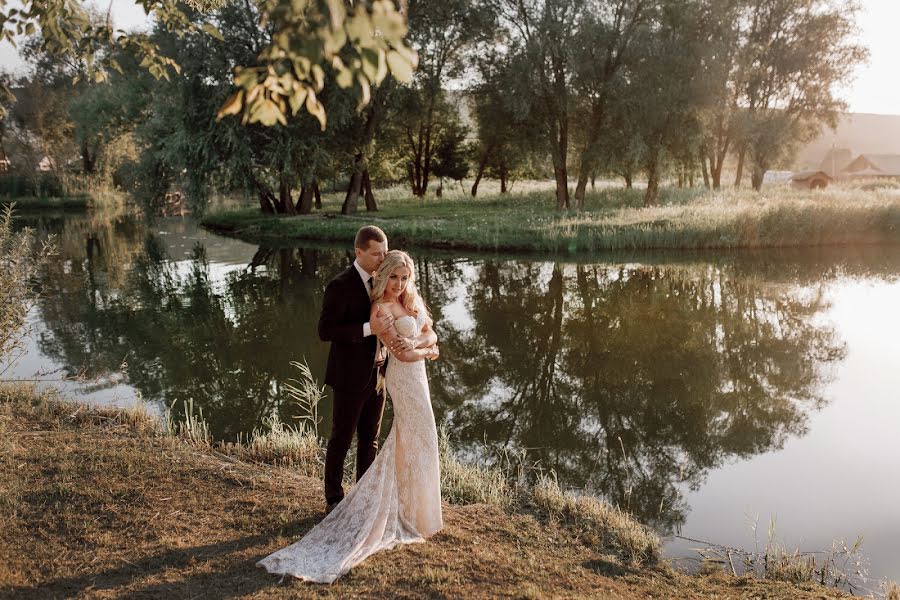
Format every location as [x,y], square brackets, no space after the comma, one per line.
[427,338]
[430,352]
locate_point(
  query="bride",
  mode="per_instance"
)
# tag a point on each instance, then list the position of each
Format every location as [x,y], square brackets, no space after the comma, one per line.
[398,499]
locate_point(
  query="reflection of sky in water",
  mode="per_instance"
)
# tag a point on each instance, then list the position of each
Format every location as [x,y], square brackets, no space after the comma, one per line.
[841,479]
[32,365]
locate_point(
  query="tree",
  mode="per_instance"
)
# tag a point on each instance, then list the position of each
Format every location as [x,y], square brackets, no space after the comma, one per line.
[504,133]
[361,42]
[182,144]
[541,37]
[442,32]
[604,41]
[797,51]
[720,67]
[450,157]
[768,58]
[663,96]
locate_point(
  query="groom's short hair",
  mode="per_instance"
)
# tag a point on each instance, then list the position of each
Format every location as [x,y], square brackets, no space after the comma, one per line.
[367,234]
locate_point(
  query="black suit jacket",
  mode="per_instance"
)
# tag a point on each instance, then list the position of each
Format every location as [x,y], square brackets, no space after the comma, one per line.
[345,308]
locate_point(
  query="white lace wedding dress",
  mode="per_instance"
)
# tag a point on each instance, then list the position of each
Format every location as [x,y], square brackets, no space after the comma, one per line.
[398,499]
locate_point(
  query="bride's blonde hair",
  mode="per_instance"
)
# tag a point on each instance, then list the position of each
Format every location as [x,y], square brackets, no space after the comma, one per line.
[410,298]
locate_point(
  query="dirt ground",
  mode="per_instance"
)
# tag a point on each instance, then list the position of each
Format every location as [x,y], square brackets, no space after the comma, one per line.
[92,508]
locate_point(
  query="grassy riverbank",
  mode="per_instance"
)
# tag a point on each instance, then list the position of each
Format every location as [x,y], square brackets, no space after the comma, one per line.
[105,503]
[613,219]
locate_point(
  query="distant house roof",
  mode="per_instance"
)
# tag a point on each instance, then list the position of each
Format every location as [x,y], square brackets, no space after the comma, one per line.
[836,159]
[883,165]
[807,175]
[45,164]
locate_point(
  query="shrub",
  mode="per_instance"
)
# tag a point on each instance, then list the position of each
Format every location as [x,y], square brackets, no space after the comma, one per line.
[19,262]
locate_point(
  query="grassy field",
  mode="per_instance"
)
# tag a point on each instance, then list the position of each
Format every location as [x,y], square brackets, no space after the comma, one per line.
[613,219]
[100,503]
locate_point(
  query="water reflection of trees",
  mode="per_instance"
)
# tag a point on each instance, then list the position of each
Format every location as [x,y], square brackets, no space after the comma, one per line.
[635,381]
[179,332]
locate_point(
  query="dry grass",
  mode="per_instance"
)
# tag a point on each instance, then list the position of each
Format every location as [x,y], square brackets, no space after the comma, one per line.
[91,507]
[470,484]
[891,591]
[602,525]
[281,444]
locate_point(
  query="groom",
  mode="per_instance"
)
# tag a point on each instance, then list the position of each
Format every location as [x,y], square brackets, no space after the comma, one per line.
[351,371]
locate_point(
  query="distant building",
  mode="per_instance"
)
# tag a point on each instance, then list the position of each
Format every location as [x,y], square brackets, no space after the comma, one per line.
[836,159]
[811,180]
[45,164]
[775,177]
[873,165]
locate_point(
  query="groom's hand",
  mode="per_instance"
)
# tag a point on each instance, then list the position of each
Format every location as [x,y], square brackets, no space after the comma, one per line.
[381,321]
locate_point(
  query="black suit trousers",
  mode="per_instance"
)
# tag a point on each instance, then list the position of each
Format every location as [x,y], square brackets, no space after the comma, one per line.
[357,411]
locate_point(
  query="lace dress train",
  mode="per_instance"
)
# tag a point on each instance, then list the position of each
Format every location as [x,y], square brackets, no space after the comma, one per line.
[397,501]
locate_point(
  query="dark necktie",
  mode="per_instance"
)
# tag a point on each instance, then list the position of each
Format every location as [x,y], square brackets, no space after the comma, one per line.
[369,283]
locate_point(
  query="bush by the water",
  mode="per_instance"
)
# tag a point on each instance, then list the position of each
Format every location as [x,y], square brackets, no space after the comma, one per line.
[19,262]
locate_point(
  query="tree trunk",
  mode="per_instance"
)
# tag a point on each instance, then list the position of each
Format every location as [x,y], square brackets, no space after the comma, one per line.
[285,203]
[715,164]
[318,195]
[584,170]
[481,166]
[304,203]
[367,189]
[705,171]
[756,177]
[593,182]
[652,191]
[353,190]
[740,166]
[266,202]
[88,162]
[629,181]
[580,188]
[562,187]
[504,178]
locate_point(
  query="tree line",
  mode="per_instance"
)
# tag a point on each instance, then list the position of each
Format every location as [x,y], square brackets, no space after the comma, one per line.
[570,90]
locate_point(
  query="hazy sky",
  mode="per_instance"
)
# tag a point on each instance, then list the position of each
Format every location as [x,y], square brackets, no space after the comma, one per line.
[875,89]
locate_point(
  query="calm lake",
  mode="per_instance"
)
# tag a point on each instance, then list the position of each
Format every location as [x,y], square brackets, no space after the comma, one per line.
[705,393]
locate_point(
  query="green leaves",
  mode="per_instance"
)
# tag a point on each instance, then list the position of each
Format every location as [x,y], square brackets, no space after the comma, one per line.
[363,44]
[363,47]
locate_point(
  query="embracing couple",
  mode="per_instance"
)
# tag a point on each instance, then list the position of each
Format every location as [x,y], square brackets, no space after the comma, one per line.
[371,307]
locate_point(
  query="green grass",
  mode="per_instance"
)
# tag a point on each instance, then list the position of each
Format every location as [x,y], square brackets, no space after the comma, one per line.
[613,219]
